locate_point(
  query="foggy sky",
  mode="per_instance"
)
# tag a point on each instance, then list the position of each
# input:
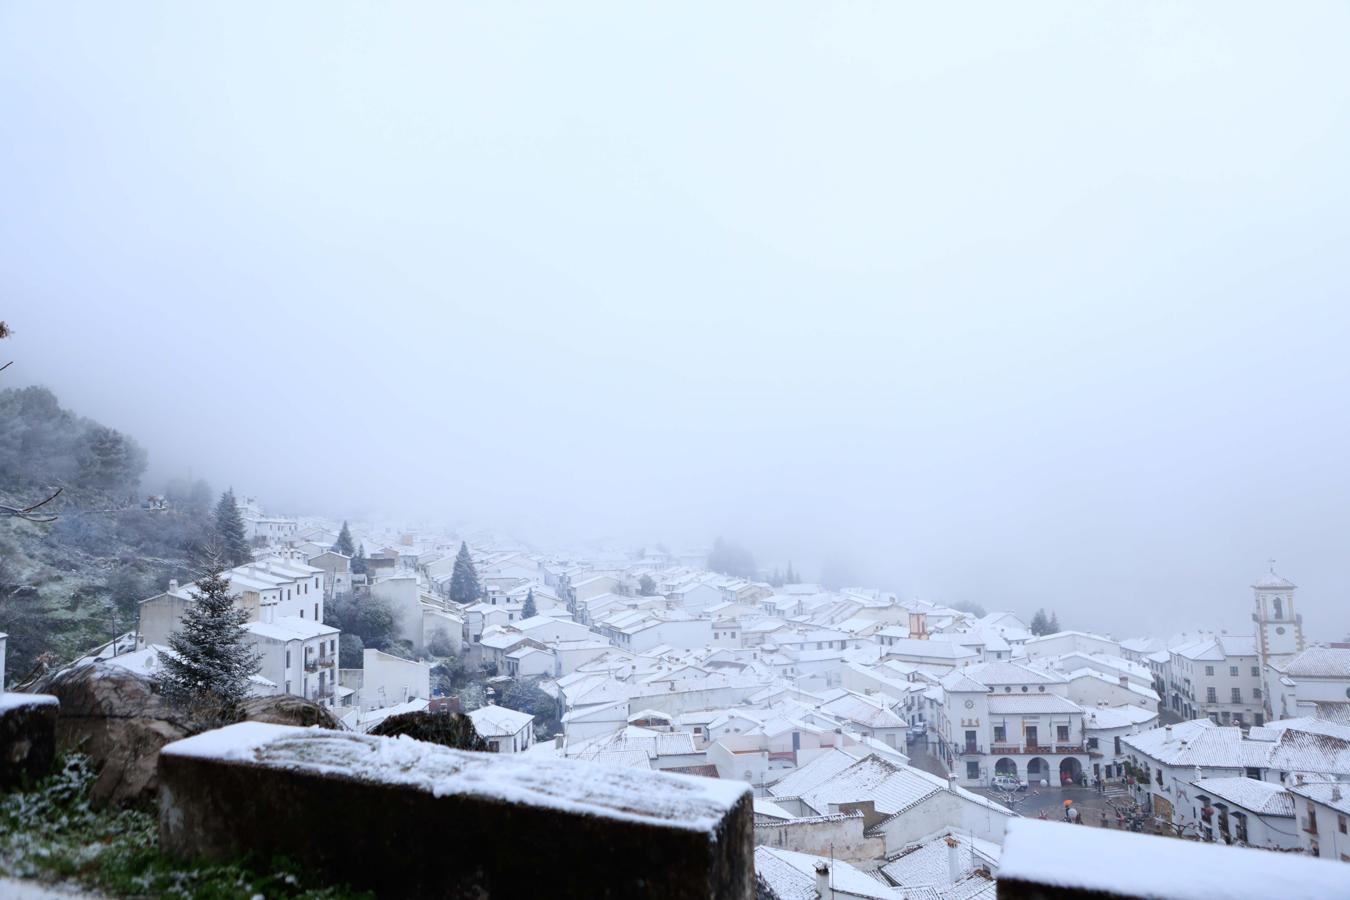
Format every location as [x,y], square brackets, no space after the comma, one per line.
[1044,306]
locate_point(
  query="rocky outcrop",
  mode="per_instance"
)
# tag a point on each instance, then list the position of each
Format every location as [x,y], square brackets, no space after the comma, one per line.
[285,709]
[115,717]
[27,737]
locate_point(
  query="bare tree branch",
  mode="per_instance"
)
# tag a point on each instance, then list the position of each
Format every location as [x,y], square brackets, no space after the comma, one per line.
[26,513]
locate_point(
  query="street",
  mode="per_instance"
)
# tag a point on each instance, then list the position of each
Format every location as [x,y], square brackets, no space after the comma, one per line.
[1034,800]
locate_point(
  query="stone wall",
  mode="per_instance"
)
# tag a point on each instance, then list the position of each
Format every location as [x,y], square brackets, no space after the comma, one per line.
[410,819]
[27,737]
[840,836]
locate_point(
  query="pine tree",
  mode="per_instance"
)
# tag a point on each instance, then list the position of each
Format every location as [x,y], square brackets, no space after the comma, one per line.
[230,531]
[1039,623]
[464,586]
[791,576]
[529,610]
[359,561]
[207,674]
[344,543]
[647,586]
[1052,627]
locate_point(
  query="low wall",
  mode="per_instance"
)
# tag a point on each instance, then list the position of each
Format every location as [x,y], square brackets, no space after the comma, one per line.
[410,819]
[27,736]
[840,836]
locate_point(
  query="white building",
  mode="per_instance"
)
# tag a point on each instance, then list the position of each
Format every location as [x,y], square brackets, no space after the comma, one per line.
[1323,810]
[1003,718]
[1316,679]
[299,655]
[1218,677]
[505,730]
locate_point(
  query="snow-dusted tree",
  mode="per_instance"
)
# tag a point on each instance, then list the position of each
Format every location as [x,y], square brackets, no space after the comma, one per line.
[1039,623]
[529,610]
[647,586]
[1052,627]
[464,586]
[230,531]
[207,674]
[344,543]
[359,566]
[791,576]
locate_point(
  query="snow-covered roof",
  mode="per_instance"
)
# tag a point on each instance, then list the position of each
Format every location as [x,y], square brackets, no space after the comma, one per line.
[1317,662]
[926,862]
[1116,716]
[1262,797]
[498,721]
[291,628]
[792,876]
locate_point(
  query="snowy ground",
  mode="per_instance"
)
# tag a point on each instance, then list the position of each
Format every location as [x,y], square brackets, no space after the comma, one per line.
[11,889]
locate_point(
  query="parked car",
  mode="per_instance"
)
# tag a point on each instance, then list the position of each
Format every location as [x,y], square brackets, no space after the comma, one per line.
[1008,783]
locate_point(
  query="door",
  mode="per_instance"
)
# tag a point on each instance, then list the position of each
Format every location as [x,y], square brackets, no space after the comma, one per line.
[1031,736]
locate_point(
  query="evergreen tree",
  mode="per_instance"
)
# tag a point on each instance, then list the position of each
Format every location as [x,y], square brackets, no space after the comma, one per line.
[207,674]
[1052,627]
[359,566]
[529,610]
[230,531]
[647,586]
[464,586]
[791,576]
[344,543]
[1039,623]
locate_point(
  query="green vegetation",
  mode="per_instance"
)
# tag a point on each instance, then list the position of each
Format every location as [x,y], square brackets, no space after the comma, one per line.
[51,833]
[72,584]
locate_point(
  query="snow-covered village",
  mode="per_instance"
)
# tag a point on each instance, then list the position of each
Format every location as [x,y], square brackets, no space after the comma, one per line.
[711,451]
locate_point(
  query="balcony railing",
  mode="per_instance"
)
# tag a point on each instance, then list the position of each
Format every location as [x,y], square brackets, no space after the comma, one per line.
[970,750]
[311,664]
[327,659]
[1016,749]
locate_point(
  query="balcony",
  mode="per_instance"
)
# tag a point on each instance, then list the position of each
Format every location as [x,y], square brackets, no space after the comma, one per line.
[971,750]
[327,659]
[311,664]
[324,693]
[1034,749]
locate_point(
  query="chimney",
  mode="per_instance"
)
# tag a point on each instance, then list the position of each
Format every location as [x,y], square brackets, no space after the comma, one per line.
[1169,732]
[1335,793]
[558,741]
[822,879]
[954,859]
[173,585]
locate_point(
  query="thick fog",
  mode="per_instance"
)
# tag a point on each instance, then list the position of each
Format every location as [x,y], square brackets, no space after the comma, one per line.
[1043,305]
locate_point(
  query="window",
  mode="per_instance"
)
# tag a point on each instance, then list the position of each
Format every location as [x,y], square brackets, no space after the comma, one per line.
[1253,773]
[1256,692]
[1256,671]
[1279,608]
[1000,734]
[1117,746]
[1041,689]
[1211,695]
[1237,695]
[1232,671]
[316,612]
[1209,670]
[1340,823]
[1062,733]
[972,770]
[288,658]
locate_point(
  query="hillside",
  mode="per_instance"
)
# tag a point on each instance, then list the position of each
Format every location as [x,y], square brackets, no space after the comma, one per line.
[73,583]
